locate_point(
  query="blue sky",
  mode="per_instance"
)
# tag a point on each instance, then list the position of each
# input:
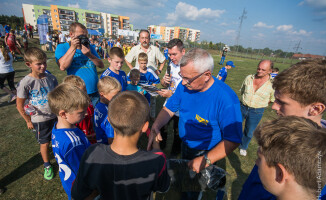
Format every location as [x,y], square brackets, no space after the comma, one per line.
[277,24]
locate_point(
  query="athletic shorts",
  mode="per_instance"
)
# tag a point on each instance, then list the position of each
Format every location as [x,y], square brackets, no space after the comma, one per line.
[43,131]
[12,47]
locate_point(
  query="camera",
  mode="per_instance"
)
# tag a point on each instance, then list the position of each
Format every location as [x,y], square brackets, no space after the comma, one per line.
[84,40]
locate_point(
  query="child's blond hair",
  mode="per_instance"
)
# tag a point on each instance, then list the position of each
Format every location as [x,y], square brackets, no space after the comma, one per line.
[142,57]
[34,54]
[68,98]
[108,84]
[74,81]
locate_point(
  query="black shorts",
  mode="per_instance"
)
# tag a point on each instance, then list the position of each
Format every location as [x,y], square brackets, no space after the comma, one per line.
[43,130]
[10,79]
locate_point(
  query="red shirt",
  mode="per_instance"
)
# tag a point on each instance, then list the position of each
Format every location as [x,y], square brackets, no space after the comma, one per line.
[87,125]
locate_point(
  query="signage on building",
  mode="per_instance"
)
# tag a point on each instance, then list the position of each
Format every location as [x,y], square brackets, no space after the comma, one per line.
[42,27]
[156,36]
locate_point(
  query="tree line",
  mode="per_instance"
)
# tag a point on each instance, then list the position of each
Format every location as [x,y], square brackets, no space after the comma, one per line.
[16,23]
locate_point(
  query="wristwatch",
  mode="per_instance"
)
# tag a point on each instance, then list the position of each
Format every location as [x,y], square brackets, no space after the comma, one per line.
[208,161]
[159,70]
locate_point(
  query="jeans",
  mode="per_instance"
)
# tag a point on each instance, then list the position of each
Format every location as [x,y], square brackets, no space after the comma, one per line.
[222,60]
[252,117]
[95,97]
[50,46]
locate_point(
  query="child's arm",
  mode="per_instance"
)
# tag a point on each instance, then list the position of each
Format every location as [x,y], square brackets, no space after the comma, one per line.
[20,107]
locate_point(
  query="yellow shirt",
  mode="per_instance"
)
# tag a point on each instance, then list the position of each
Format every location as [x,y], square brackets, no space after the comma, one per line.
[261,97]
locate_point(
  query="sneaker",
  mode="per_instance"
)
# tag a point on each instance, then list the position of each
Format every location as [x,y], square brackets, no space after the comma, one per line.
[48,172]
[13,98]
[243,152]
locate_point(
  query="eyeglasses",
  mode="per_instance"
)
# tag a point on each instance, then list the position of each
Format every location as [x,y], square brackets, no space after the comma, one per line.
[189,81]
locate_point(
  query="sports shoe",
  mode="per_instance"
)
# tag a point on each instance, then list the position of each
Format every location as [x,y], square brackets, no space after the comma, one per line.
[243,152]
[48,172]
[12,98]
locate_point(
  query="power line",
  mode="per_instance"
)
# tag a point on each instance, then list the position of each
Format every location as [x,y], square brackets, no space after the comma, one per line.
[243,16]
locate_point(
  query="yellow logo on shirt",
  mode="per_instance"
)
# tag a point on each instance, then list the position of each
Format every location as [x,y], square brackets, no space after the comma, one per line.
[201,120]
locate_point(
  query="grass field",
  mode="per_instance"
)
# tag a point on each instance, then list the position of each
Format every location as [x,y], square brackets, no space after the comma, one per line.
[21,167]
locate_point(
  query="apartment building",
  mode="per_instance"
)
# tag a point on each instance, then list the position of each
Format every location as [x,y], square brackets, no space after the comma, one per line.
[60,18]
[169,33]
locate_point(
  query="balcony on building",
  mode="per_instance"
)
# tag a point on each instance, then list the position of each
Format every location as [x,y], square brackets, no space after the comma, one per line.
[47,12]
[93,16]
[125,21]
[114,19]
[93,20]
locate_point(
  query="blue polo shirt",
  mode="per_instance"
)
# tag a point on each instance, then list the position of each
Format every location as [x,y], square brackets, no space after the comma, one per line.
[222,73]
[207,118]
[121,77]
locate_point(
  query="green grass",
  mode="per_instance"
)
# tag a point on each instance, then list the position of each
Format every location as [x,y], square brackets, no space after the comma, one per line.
[21,167]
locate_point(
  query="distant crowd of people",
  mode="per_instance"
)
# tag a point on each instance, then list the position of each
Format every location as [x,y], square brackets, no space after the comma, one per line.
[94,123]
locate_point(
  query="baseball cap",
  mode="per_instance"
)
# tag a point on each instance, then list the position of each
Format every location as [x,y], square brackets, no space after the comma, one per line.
[230,63]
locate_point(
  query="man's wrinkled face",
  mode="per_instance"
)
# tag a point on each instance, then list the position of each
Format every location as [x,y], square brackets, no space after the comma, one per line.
[264,69]
[144,39]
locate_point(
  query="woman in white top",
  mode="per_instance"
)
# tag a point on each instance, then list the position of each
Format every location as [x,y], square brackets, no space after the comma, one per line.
[7,72]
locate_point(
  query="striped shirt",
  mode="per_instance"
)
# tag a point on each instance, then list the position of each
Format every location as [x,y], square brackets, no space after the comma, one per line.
[259,98]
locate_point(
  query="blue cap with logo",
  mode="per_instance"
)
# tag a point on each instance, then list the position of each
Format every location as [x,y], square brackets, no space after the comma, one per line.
[230,63]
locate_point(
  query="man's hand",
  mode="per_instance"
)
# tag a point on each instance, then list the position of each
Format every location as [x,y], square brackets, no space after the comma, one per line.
[166,80]
[75,42]
[164,93]
[197,164]
[30,125]
[86,51]
[154,136]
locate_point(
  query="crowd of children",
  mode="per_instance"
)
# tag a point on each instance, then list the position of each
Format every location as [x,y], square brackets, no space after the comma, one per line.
[80,133]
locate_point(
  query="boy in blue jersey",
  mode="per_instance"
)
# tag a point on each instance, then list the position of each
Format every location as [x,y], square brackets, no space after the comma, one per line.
[116,59]
[33,89]
[121,170]
[134,77]
[108,87]
[299,91]
[69,103]
[223,73]
[291,157]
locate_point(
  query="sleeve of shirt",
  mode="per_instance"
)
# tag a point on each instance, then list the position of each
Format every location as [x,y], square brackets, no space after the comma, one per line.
[231,122]
[131,55]
[93,51]
[272,97]
[80,188]
[173,102]
[163,179]
[60,51]
[242,89]
[22,90]
[106,126]
[159,56]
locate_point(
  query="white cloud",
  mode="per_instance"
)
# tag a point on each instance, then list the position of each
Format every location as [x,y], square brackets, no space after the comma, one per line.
[73,5]
[184,11]
[301,3]
[262,25]
[284,27]
[315,3]
[288,29]
[223,24]
[229,32]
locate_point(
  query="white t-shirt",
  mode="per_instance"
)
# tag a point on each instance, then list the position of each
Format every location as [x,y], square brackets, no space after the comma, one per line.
[62,38]
[5,67]
[48,38]
[175,80]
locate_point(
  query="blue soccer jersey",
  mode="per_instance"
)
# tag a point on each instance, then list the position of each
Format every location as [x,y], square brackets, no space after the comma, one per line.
[108,129]
[207,118]
[148,78]
[100,111]
[223,73]
[68,147]
[121,77]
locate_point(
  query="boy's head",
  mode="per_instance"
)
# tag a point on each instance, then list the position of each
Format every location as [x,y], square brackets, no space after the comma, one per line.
[275,70]
[69,103]
[35,59]
[134,76]
[142,60]
[300,90]
[116,58]
[128,113]
[108,87]
[291,151]
[75,81]
[229,65]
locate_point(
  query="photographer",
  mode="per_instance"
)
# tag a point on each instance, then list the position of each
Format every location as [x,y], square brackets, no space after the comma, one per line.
[79,58]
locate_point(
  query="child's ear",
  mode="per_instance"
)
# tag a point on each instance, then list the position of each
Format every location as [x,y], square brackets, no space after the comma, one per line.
[145,127]
[101,94]
[316,109]
[28,64]
[281,174]
[62,114]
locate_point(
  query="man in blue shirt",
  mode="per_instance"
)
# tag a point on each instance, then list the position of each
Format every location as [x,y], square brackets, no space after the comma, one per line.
[210,123]
[80,60]
[223,73]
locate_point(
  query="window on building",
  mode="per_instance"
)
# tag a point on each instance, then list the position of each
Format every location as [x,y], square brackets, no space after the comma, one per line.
[57,26]
[83,19]
[55,10]
[56,21]
[32,10]
[56,16]
[38,10]
[33,15]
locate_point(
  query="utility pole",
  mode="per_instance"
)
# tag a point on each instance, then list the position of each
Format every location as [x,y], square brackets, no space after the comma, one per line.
[296,48]
[243,16]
